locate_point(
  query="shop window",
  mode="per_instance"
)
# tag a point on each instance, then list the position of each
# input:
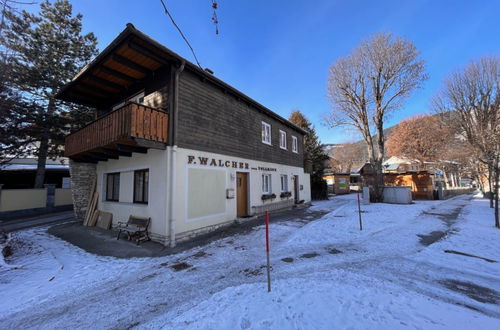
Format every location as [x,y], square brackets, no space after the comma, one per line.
[113,187]
[141,186]
[295,145]
[266,183]
[266,133]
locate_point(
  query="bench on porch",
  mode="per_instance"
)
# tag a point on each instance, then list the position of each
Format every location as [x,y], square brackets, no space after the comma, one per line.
[136,228]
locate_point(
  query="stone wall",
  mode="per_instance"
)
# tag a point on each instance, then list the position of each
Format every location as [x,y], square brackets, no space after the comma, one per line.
[83,176]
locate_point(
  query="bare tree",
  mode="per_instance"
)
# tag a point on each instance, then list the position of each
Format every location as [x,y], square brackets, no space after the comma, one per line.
[470,102]
[347,156]
[366,86]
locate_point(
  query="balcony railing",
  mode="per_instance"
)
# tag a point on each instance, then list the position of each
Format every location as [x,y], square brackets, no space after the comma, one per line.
[133,126]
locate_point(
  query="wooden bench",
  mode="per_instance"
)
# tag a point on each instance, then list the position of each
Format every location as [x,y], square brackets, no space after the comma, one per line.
[136,228]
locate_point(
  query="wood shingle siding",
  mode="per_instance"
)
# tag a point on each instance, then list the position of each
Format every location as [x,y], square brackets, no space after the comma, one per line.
[212,120]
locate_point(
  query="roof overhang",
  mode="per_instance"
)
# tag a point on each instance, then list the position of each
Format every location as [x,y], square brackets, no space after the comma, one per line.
[117,72]
[121,69]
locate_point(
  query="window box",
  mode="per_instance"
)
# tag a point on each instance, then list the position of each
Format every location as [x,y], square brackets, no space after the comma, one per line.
[266,197]
[286,194]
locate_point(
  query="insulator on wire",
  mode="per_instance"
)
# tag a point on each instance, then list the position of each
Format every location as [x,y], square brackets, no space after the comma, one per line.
[214,17]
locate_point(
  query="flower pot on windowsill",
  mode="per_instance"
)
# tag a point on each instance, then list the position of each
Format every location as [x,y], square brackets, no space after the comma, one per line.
[266,197]
[286,194]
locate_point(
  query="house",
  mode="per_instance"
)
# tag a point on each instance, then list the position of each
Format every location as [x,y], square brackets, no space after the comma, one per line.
[19,173]
[401,165]
[175,143]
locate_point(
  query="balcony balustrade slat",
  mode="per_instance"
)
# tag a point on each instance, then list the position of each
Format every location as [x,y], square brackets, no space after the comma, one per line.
[126,123]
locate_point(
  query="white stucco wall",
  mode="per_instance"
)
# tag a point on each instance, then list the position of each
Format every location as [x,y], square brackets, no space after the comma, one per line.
[156,162]
[220,208]
[254,170]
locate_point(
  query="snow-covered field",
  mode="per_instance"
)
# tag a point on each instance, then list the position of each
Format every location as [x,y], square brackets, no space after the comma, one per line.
[326,274]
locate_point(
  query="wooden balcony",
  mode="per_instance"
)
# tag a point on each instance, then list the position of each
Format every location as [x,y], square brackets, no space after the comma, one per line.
[131,128]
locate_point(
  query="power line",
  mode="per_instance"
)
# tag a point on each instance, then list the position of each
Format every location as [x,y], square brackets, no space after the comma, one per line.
[182,34]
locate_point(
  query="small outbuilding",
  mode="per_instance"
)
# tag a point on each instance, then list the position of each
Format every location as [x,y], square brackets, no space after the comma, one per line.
[338,183]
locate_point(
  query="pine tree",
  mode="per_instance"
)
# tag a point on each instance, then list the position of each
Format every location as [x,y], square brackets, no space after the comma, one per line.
[314,153]
[47,50]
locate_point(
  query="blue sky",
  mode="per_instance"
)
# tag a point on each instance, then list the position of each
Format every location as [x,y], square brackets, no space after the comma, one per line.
[279,52]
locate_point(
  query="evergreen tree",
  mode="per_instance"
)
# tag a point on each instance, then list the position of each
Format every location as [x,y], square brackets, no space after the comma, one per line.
[45,50]
[314,154]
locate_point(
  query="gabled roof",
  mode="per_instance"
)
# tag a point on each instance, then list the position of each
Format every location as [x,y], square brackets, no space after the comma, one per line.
[122,67]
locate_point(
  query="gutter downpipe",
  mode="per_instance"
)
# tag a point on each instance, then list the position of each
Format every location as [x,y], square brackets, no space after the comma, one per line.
[173,157]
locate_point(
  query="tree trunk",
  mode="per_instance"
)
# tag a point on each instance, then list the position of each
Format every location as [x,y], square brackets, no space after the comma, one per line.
[42,159]
[378,184]
[495,187]
[43,150]
[490,178]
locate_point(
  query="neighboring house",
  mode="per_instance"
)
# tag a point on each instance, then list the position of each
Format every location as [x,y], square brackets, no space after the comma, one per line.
[20,173]
[447,172]
[401,165]
[176,144]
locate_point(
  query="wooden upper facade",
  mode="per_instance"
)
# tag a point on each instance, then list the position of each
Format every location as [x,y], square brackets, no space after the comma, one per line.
[142,104]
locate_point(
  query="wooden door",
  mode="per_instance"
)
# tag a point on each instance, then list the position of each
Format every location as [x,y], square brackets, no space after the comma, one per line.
[242,194]
[296,188]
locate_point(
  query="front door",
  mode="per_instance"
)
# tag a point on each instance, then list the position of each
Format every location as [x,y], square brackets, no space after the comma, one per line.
[242,194]
[296,188]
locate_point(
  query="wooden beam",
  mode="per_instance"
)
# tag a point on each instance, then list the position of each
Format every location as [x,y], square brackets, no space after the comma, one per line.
[117,74]
[128,148]
[150,144]
[133,65]
[106,82]
[83,99]
[116,152]
[95,155]
[102,155]
[90,92]
[145,52]
[83,160]
[93,88]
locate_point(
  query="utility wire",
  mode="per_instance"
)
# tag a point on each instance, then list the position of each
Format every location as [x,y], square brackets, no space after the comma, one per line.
[182,34]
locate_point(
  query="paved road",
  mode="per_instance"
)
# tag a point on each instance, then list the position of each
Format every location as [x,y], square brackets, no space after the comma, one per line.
[40,220]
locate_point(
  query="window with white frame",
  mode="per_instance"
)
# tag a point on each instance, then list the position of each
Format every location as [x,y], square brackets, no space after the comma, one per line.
[266,183]
[266,133]
[295,145]
[284,183]
[282,139]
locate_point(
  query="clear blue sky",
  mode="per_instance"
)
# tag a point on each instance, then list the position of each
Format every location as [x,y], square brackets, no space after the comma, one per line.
[279,52]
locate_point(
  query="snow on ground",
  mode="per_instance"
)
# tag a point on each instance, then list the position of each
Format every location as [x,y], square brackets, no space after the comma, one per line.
[326,274]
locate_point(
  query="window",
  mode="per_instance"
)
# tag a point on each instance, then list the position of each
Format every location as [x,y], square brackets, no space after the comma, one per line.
[113,187]
[266,133]
[282,140]
[137,98]
[284,183]
[141,185]
[295,146]
[266,183]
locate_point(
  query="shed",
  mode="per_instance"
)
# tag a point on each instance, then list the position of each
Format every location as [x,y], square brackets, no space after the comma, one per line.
[340,183]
